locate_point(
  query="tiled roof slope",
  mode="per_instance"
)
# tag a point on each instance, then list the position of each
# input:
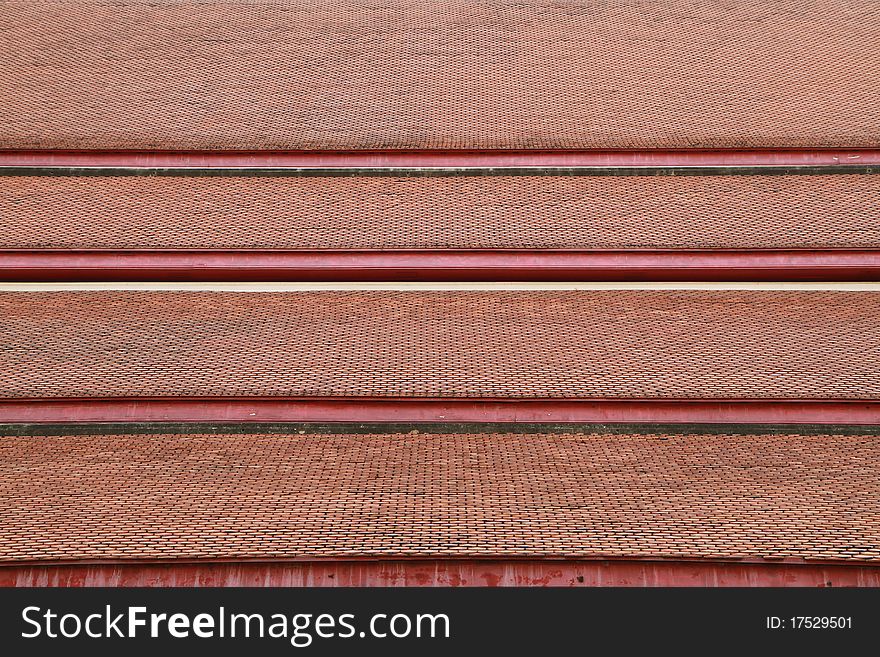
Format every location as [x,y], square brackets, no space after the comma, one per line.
[362,74]
[492,344]
[551,212]
[687,496]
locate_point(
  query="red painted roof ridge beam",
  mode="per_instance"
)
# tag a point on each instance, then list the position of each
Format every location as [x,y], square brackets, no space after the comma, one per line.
[443,572]
[363,161]
[439,265]
[372,409]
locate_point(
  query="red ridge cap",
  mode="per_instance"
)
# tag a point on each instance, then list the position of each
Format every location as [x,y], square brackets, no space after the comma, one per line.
[439,265]
[356,409]
[379,159]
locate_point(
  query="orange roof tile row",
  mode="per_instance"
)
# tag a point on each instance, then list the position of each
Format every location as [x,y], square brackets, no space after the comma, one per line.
[551,212]
[465,344]
[456,74]
[690,496]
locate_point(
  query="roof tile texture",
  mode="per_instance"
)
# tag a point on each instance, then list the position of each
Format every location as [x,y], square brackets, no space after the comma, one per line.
[483,495]
[373,74]
[474,212]
[494,344]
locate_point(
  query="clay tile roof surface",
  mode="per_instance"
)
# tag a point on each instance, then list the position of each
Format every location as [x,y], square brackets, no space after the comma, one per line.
[693,496]
[553,212]
[376,74]
[490,344]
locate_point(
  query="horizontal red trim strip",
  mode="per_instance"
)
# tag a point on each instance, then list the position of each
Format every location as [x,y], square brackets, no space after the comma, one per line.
[437,410]
[442,159]
[442,573]
[440,265]
[435,265]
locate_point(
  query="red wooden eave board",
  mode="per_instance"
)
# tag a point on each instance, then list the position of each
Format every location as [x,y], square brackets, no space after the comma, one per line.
[450,573]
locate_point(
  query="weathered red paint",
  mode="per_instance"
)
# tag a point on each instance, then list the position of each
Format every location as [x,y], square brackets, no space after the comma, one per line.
[274,409]
[442,158]
[439,265]
[442,573]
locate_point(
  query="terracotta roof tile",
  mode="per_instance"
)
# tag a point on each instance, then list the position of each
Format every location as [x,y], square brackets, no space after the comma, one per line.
[480,495]
[554,212]
[362,74]
[526,344]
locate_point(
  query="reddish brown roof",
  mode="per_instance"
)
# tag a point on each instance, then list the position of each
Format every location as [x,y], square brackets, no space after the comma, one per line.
[360,74]
[554,212]
[483,495]
[527,344]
